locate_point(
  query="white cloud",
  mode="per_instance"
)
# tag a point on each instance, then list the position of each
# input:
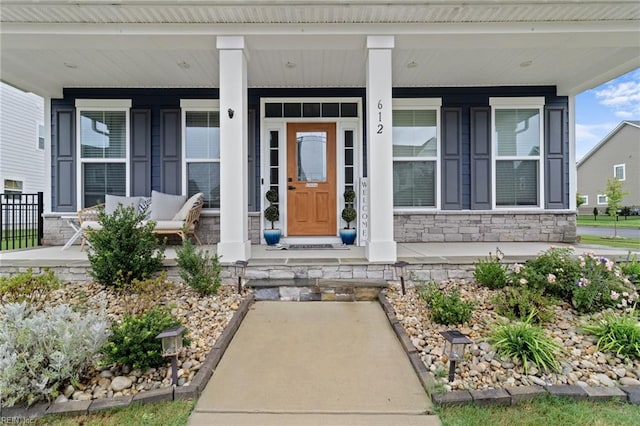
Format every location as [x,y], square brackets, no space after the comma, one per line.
[623,97]
[588,135]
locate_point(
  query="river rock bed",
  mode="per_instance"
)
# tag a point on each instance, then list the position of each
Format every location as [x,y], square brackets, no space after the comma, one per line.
[205,317]
[581,363]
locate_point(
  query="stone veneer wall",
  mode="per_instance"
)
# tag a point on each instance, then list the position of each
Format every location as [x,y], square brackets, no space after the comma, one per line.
[57,231]
[485,226]
[441,226]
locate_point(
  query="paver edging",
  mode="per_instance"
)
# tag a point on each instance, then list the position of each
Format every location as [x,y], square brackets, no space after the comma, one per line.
[192,390]
[498,396]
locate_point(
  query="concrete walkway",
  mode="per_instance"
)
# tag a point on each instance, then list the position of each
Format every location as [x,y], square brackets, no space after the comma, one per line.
[314,363]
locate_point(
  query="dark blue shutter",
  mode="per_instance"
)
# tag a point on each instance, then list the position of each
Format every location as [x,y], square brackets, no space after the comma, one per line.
[451,159]
[170,152]
[481,158]
[141,152]
[64,160]
[555,156]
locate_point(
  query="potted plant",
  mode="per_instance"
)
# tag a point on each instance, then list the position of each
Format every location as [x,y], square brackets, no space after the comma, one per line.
[348,234]
[272,214]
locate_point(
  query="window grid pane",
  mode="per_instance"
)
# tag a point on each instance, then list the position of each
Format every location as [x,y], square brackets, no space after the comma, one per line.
[517,183]
[202,135]
[414,183]
[100,179]
[205,178]
[517,132]
[103,134]
[414,133]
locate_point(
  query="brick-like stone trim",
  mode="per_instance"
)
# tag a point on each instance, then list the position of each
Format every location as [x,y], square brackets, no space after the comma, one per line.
[488,226]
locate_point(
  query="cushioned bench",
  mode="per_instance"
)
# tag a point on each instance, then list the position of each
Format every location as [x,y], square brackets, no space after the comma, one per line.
[172,214]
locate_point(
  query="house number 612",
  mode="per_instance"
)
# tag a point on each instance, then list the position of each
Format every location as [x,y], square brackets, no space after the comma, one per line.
[380,126]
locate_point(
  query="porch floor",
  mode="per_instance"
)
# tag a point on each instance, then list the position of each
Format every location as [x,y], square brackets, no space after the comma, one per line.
[262,255]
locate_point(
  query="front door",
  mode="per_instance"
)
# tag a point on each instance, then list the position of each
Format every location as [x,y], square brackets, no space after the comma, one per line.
[311,179]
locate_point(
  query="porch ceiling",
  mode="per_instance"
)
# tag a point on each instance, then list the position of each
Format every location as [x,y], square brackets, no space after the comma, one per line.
[47,45]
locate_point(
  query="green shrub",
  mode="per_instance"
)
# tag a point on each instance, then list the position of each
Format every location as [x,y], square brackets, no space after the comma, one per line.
[619,334]
[526,343]
[445,308]
[133,342]
[27,287]
[199,268]
[490,272]
[142,295]
[44,350]
[520,302]
[631,268]
[600,285]
[554,270]
[124,249]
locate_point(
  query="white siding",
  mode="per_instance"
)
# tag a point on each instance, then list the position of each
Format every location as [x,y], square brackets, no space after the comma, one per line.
[20,158]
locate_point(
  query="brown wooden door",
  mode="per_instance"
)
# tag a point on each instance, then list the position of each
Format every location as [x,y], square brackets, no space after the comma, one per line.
[311,179]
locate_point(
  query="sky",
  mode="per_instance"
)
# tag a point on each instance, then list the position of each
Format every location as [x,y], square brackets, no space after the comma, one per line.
[601,109]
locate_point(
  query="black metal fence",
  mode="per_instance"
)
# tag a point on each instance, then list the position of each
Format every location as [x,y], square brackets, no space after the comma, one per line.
[21,222]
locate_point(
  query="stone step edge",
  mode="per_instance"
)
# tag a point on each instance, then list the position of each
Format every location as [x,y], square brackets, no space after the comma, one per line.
[316,282]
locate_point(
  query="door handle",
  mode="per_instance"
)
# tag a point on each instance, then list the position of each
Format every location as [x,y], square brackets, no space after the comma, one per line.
[290,187]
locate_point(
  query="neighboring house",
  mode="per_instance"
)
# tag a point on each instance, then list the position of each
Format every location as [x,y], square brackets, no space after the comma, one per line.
[617,155]
[453,121]
[22,142]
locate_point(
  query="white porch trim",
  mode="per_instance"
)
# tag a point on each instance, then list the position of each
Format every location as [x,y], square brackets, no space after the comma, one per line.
[234,237]
[381,246]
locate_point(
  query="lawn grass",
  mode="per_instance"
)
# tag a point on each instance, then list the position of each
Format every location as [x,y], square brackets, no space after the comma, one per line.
[156,414]
[23,239]
[544,411]
[608,221]
[630,243]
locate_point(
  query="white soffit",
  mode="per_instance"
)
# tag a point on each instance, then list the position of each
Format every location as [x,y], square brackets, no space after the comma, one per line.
[47,44]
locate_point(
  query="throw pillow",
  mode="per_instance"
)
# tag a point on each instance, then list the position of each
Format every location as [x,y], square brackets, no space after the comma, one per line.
[111,202]
[191,202]
[165,206]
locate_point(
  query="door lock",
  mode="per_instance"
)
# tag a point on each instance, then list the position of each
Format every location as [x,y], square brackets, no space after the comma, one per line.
[290,187]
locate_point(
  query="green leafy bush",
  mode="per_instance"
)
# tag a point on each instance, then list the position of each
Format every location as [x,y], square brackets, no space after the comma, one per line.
[520,302]
[44,350]
[631,268]
[526,343]
[554,270]
[142,295]
[600,285]
[619,334]
[28,287]
[199,268]
[490,272]
[445,308]
[124,249]
[133,342]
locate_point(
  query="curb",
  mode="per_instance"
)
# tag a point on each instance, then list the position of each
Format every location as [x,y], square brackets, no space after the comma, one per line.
[193,390]
[499,396]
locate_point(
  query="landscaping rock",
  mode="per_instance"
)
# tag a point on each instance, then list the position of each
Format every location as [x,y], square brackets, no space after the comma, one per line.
[121,383]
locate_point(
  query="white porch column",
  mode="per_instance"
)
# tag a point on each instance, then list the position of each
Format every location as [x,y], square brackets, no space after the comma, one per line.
[234,236]
[380,247]
[48,205]
[573,169]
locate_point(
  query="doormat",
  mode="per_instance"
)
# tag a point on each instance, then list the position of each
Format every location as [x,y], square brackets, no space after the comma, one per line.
[337,246]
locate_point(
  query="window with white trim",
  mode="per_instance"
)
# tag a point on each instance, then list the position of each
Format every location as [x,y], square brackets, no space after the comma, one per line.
[416,141]
[201,124]
[619,171]
[517,146]
[603,200]
[585,200]
[103,149]
[40,136]
[12,186]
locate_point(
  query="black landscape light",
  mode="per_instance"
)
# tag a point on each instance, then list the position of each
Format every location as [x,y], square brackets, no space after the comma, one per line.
[455,348]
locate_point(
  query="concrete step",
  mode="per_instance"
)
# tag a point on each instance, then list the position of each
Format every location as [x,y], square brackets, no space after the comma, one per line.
[297,419]
[317,289]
